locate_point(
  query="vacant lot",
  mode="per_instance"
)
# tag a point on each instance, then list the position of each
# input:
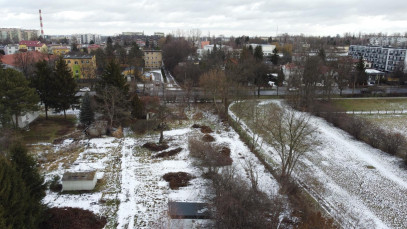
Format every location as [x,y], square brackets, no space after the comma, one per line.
[372,104]
[42,130]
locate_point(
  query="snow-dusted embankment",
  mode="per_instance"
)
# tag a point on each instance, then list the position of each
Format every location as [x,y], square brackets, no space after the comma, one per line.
[360,186]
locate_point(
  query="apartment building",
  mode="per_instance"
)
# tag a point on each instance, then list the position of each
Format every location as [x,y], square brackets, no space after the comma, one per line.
[382,58]
[81,65]
[17,35]
[153,59]
[86,38]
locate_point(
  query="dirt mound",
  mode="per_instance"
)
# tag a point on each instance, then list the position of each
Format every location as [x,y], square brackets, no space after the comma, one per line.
[179,179]
[206,129]
[208,138]
[155,147]
[72,218]
[169,152]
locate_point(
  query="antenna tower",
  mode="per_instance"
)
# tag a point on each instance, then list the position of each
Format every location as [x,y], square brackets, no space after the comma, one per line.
[42,28]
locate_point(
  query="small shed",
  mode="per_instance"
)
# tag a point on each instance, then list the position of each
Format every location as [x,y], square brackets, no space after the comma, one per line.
[79,181]
[188,210]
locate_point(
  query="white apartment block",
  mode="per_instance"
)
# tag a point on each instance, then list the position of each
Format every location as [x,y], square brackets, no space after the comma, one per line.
[382,58]
[17,35]
[86,38]
[388,41]
[11,49]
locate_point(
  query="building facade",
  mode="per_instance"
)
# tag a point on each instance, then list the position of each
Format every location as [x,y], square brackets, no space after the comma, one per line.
[153,59]
[17,35]
[83,66]
[385,59]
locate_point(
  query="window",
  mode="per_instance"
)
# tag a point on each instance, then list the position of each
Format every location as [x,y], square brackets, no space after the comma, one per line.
[81,61]
[76,62]
[69,61]
[87,61]
[77,72]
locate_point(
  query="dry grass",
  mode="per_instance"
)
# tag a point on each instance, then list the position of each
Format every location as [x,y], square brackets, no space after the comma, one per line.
[50,160]
[371,104]
[42,130]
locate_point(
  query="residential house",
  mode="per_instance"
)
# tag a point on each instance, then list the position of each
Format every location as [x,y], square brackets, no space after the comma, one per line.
[10,49]
[79,181]
[267,49]
[93,47]
[29,57]
[32,46]
[374,76]
[83,66]
[60,50]
[153,59]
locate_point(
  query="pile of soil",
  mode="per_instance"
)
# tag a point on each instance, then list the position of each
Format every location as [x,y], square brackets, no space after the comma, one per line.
[208,138]
[179,179]
[204,129]
[72,218]
[155,147]
[224,158]
[169,152]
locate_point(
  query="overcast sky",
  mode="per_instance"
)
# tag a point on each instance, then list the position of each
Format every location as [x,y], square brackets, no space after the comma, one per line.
[227,17]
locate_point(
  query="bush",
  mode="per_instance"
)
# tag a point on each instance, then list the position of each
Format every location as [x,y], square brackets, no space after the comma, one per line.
[209,155]
[73,218]
[177,180]
[54,184]
[141,126]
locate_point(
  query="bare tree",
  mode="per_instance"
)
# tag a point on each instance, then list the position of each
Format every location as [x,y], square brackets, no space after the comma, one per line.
[113,103]
[291,136]
[25,61]
[215,83]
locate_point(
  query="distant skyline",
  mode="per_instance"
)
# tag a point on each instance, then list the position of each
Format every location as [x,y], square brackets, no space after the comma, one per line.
[226,17]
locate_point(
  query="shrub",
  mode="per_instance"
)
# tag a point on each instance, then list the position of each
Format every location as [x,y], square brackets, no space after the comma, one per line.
[54,184]
[73,218]
[208,138]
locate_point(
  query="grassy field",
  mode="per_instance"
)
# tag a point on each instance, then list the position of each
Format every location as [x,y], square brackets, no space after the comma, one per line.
[397,123]
[372,104]
[42,130]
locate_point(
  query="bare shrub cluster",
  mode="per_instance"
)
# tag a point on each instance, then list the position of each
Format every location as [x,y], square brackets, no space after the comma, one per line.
[238,205]
[210,156]
[361,129]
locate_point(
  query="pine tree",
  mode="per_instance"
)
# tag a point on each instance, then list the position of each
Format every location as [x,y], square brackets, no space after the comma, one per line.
[26,165]
[45,83]
[16,97]
[14,198]
[86,115]
[112,76]
[361,72]
[136,107]
[258,53]
[66,85]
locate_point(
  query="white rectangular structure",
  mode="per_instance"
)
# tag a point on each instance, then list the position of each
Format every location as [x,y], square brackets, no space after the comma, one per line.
[79,181]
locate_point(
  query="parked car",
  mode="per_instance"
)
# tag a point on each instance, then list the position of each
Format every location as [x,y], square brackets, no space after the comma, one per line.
[84,89]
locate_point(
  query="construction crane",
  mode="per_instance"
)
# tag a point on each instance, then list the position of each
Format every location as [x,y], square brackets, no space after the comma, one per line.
[42,29]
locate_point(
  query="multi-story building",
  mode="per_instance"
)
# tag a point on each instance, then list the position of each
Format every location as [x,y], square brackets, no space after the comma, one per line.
[83,66]
[86,38]
[382,58]
[16,35]
[388,40]
[160,34]
[60,50]
[153,59]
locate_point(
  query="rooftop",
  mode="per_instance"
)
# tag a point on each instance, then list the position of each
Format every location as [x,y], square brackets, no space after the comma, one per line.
[188,210]
[79,176]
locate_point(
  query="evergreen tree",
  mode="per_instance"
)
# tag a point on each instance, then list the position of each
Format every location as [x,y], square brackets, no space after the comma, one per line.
[66,87]
[361,76]
[45,83]
[258,53]
[109,49]
[27,167]
[275,57]
[14,198]
[136,107]
[112,76]
[16,97]
[147,43]
[86,115]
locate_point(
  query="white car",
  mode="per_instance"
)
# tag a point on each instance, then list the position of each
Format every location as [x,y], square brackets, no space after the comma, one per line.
[84,89]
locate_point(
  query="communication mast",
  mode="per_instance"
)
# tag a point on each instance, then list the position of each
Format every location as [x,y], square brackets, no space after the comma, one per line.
[42,29]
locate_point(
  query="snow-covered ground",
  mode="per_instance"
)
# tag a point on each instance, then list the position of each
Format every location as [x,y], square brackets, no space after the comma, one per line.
[132,193]
[361,187]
